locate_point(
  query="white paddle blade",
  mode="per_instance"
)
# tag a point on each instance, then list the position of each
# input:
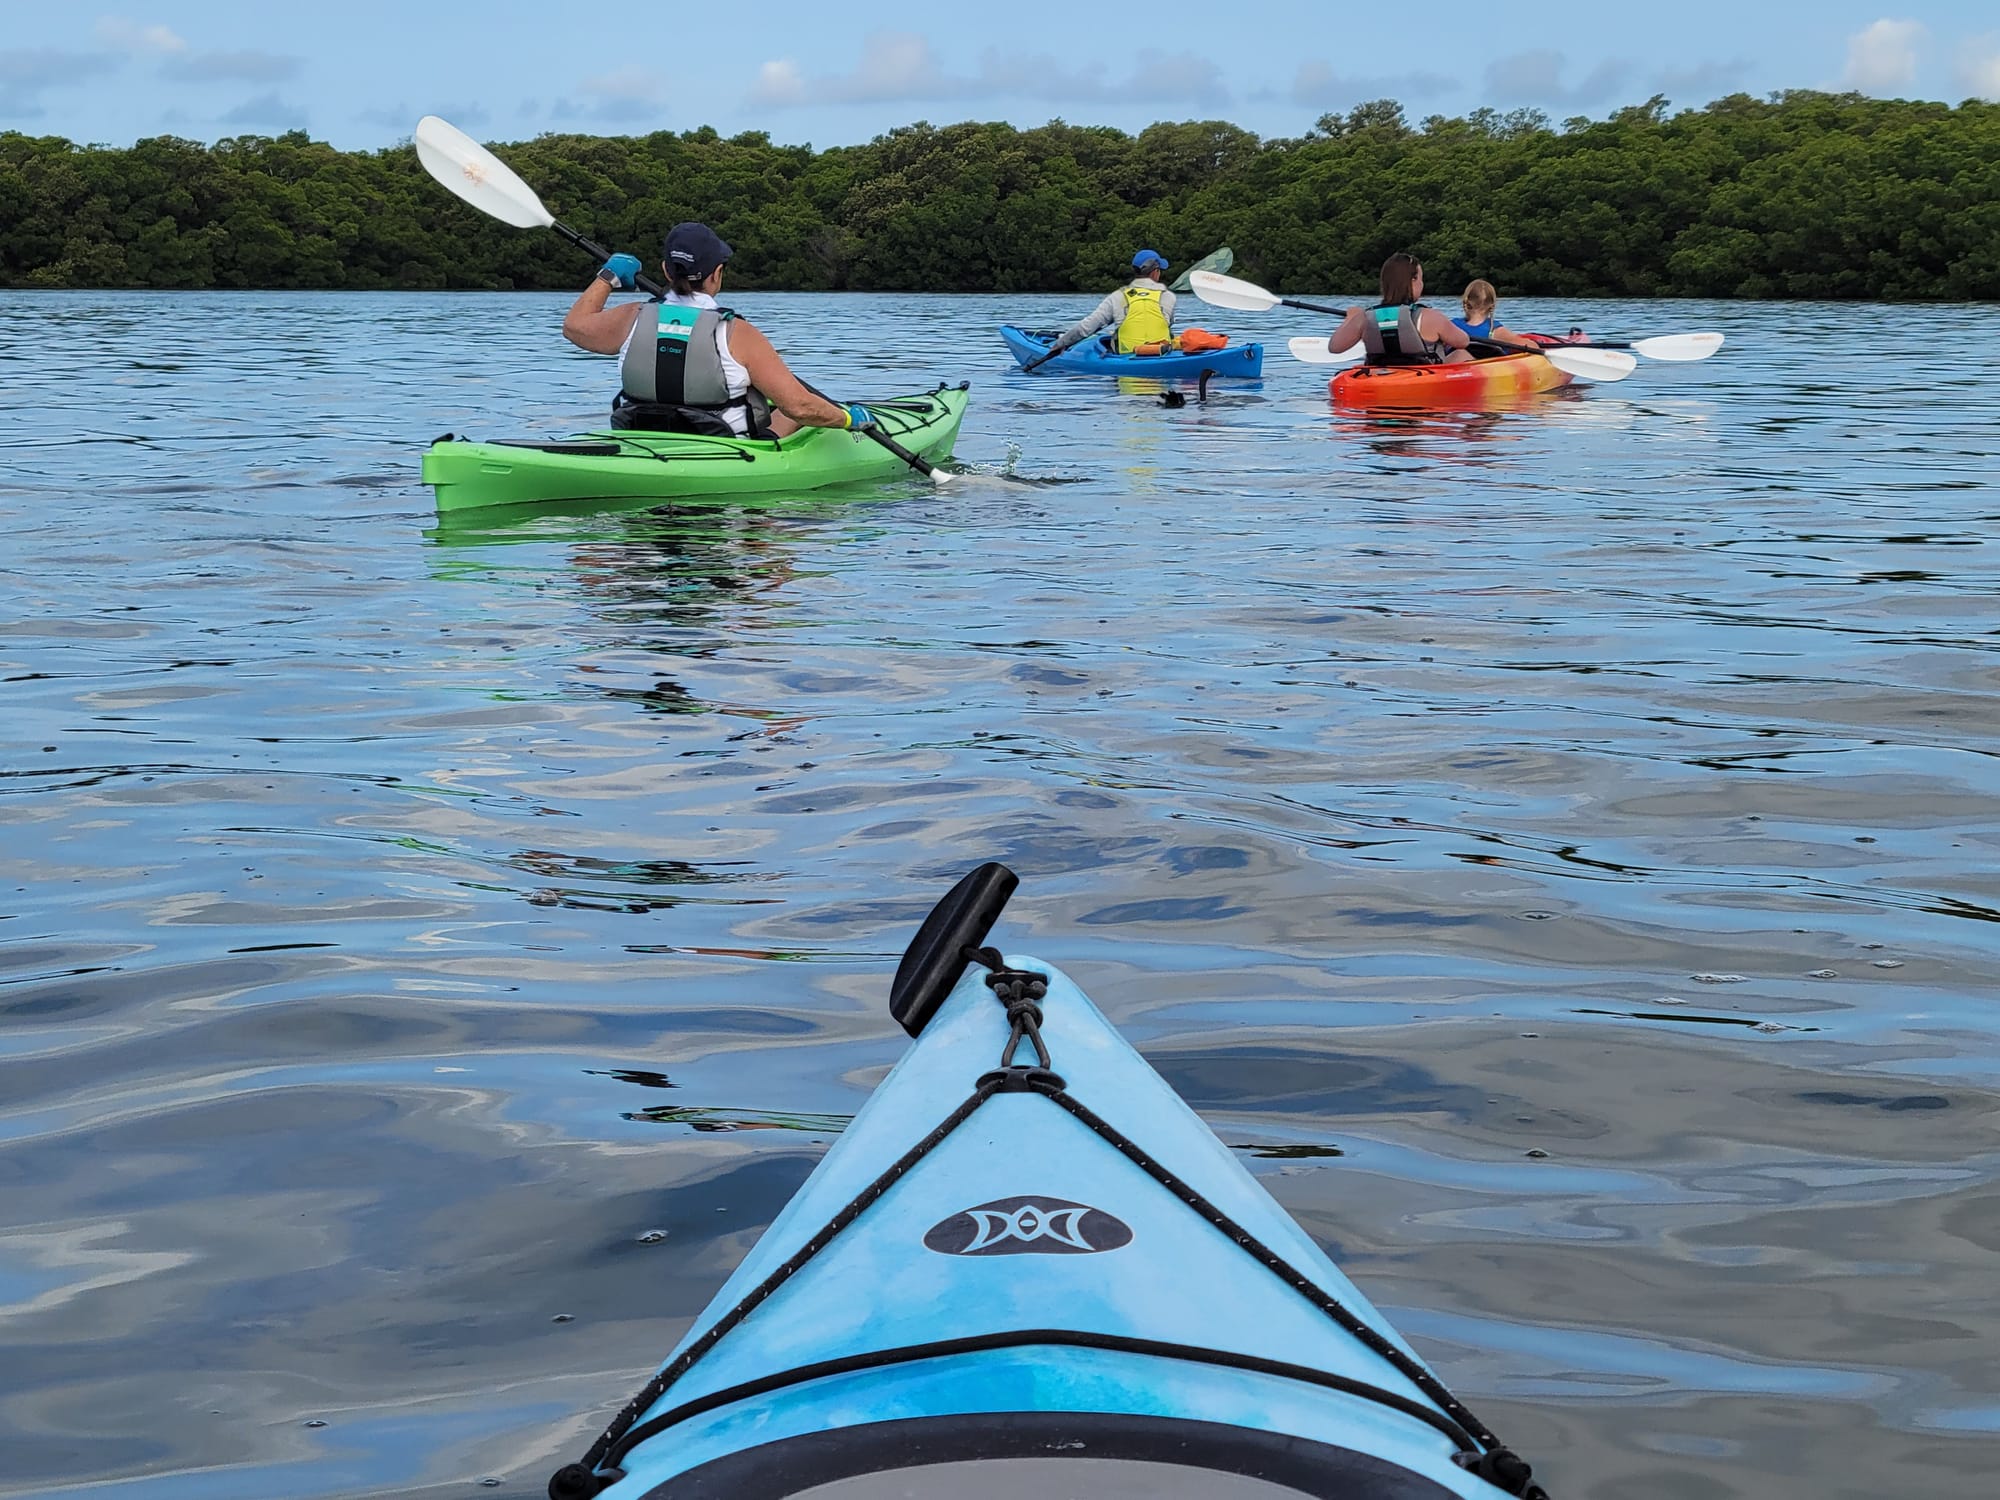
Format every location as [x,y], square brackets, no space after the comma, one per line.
[477,175]
[1226,291]
[1591,364]
[1314,352]
[1679,346]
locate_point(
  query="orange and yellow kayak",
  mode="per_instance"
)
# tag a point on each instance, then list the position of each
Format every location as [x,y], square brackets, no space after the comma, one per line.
[1480,381]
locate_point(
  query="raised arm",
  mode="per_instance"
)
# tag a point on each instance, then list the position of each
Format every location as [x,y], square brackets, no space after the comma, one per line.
[589,324]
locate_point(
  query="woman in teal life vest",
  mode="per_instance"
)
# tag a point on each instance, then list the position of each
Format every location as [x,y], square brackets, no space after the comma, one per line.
[687,364]
[1400,330]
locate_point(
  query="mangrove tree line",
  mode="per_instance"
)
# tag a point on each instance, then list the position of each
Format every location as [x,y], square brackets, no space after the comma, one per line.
[1803,194]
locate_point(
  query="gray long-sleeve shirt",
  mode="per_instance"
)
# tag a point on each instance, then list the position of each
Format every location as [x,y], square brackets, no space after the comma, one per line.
[1111,311]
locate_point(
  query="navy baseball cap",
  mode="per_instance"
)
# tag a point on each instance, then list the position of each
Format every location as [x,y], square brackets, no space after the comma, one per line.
[694,250]
[1147,258]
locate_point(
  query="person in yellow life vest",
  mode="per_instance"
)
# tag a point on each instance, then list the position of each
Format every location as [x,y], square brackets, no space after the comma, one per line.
[1142,311]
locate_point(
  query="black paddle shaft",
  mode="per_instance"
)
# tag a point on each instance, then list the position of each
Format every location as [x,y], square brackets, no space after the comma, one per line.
[645,283]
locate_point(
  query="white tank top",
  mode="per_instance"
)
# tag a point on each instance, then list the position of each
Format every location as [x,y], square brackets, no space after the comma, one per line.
[737,377]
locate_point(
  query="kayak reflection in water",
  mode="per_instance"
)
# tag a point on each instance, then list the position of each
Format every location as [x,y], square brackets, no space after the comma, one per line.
[1481,304]
[688,364]
[1400,330]
[1142,311]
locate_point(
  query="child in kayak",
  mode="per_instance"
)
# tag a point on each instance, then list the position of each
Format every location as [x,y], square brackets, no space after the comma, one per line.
[688,364]
[1480,302]
[1400,330]
[1142,311]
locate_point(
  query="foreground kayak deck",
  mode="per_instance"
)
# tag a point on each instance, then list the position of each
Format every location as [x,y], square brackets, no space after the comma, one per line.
[1239,361]
[1466,384]
[1028,1268]
[669,466]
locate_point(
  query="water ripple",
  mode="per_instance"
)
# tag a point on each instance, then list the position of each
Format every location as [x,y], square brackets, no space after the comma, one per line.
[1554,845]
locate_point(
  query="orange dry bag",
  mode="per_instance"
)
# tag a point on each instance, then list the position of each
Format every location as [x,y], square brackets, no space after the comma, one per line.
[1201,341]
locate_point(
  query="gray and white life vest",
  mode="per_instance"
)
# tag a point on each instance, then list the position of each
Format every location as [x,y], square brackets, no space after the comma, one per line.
[681,364]
[1391,337]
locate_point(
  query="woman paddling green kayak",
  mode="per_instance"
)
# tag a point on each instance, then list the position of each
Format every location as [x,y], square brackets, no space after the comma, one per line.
[690,344]
[688,364]
[1028,1269]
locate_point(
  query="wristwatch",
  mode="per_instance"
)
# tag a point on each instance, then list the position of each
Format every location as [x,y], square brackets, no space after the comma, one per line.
[608,277]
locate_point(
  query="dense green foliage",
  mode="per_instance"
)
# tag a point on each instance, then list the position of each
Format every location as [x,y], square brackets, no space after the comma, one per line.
[1800,195]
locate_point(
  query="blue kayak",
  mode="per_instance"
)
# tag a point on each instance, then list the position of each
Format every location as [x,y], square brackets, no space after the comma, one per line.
[1244,361]
[1027,1268]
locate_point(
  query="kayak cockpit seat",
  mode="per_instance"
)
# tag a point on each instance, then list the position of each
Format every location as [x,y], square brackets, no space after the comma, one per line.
[1005,1455]
[629,415]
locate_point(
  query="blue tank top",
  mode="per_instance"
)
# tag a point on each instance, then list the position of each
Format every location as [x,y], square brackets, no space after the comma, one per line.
[1474,330]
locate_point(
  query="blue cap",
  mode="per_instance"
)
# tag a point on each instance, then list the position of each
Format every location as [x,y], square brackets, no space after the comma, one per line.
[1147,258]
[694,250]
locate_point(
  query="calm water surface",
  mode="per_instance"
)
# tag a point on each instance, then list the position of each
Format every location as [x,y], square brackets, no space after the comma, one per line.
[399,926]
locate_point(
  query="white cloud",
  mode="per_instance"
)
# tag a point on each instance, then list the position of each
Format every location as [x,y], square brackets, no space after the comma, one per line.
[1317,86]
[626,94]
[26,73]
[1700,82]
[779,82]
[1978,70]
[267,110]
[123,35]
[894,65]
[901,67]
[1537,78]
[230,67]
[179,63]
[402,117]
[1882,56]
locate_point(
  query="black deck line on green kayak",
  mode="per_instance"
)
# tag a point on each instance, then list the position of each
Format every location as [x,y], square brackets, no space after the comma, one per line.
[637,448]
[555,445]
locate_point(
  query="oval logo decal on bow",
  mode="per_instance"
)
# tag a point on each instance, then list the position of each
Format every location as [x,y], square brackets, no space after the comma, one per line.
[1028,1226]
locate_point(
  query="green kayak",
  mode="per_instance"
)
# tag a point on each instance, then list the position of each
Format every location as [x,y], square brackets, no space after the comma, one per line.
[671,466]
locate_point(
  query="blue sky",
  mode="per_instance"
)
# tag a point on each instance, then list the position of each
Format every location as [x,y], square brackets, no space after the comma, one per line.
[360,72]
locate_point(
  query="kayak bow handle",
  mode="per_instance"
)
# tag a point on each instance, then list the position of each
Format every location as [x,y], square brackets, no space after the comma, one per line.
[937,954]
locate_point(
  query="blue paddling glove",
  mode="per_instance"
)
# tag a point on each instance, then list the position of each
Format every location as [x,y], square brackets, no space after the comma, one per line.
[623,270]
[859,417]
